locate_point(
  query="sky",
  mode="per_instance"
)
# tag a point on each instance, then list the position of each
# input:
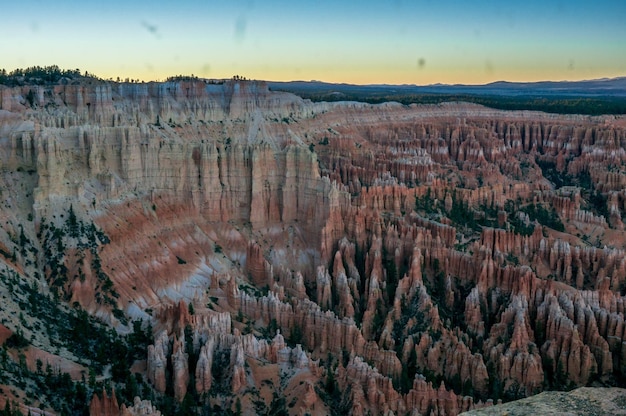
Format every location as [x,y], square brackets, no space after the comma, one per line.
[360,42]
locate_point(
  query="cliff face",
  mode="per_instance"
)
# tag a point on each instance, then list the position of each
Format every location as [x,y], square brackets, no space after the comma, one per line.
[132,177]
[319,257]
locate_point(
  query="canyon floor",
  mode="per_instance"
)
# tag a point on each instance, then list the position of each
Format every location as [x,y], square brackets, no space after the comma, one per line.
[213,247]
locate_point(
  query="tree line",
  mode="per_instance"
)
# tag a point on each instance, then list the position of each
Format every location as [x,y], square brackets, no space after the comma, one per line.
[40,75]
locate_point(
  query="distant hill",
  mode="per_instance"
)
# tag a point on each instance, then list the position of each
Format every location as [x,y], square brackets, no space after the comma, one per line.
[591,88]
[602,96]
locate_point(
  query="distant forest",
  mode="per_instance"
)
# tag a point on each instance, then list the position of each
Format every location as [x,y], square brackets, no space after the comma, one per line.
[596,105]
[51,75]
[38,75]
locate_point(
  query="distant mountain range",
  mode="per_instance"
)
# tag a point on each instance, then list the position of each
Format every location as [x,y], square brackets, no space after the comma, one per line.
[613,87]
[593,97]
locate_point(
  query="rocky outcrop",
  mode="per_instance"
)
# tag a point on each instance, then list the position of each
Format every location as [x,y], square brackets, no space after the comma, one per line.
[587,400]
[518,364]
[204,377]
[371,392]
[180,369]
[157,361]
[106,405]
[210,338]
[138,408]
[237,365]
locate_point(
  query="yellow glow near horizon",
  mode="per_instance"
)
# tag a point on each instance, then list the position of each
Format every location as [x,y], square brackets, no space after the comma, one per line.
[474,76]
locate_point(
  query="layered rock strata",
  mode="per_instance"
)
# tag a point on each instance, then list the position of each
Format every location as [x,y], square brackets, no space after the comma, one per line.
[346,257]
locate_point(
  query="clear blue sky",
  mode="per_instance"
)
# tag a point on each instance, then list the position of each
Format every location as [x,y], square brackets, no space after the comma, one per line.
[401,41]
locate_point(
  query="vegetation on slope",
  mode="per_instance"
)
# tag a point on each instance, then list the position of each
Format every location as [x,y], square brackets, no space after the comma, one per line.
[68,331]
[591,105]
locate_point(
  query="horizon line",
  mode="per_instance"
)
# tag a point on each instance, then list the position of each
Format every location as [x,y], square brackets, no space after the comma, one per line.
[244,78]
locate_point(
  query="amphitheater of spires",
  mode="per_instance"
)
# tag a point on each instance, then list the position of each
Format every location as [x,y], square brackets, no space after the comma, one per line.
[324,257]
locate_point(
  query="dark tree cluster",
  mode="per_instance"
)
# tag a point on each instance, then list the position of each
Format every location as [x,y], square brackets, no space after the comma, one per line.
[37,75]
[596,105]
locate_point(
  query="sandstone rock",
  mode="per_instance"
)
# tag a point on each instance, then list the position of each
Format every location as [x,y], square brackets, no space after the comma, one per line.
[157,362]
[105,405]
[139,408]
[180,369]
[585,400]
[208,196]
[204,377]
[237,363]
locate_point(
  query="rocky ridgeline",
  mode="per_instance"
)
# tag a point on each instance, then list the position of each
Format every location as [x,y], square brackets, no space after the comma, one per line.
[322,257]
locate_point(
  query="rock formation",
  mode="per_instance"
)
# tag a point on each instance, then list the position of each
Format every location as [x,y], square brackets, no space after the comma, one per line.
[316,257]
[584,400]
[106,405]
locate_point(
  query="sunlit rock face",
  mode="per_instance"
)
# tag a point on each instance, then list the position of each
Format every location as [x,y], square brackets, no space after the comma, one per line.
[348,257]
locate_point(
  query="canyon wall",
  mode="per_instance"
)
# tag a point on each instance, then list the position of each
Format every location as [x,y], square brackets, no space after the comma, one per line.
[321,257]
